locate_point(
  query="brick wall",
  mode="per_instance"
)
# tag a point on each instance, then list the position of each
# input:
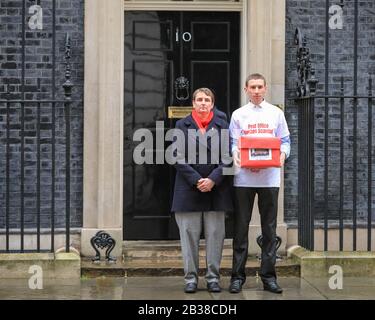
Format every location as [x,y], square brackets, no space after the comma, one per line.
[309,16]
[38,63]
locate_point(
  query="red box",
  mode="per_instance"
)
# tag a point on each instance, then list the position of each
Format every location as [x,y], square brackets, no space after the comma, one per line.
[259,152]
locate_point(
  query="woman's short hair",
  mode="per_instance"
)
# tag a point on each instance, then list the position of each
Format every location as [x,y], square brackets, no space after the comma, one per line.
[206,91]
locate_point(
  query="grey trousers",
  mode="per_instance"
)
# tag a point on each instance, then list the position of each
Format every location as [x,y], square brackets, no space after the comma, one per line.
[190,227]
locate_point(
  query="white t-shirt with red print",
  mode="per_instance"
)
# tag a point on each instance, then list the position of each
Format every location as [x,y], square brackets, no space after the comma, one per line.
[264,120]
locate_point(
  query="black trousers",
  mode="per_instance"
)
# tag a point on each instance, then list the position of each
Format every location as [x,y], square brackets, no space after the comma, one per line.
[267,203]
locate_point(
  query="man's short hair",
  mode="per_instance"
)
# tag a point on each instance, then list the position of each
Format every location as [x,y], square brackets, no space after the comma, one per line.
[255,76]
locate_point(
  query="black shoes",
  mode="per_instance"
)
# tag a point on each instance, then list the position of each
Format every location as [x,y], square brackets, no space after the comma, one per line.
[235,286]
[190,287]
[213,287]
[272,286]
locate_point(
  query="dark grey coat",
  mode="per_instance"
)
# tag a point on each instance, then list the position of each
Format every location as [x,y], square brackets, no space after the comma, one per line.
[186,196]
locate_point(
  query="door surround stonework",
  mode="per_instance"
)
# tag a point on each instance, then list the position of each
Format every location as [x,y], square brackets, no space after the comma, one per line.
[262,50]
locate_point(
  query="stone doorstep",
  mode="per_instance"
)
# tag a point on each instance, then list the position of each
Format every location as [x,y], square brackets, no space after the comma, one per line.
[164,249]
[174,267]
[60,265]
[317,264]
[163,258]
[166,254]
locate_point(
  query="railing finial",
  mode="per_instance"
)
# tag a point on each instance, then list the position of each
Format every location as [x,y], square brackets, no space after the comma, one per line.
[68,85]
[306,84]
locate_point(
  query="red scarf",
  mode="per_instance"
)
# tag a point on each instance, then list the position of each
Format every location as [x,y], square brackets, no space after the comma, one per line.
[202,124]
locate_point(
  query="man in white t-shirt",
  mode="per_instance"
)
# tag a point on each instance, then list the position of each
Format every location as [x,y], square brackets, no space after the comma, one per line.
[258,118]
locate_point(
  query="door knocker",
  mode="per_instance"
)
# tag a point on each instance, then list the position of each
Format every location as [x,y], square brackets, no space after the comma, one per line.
[181,86]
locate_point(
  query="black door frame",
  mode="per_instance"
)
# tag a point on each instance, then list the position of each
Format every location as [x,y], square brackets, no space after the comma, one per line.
[235,105]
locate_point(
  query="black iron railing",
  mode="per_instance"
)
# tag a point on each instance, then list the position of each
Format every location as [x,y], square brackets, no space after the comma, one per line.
[34,128]
[340,164]
[350,170]
[335,153]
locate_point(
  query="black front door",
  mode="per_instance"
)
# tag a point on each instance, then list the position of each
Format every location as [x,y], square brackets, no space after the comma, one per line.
[167,56]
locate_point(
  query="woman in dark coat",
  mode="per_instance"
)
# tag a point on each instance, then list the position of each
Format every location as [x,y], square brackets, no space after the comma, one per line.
[202,193]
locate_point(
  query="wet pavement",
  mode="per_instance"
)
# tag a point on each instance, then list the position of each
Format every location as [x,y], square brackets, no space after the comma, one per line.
[171,288]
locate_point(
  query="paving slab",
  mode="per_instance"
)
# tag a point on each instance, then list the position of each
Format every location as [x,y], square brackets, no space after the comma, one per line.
[171,288]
